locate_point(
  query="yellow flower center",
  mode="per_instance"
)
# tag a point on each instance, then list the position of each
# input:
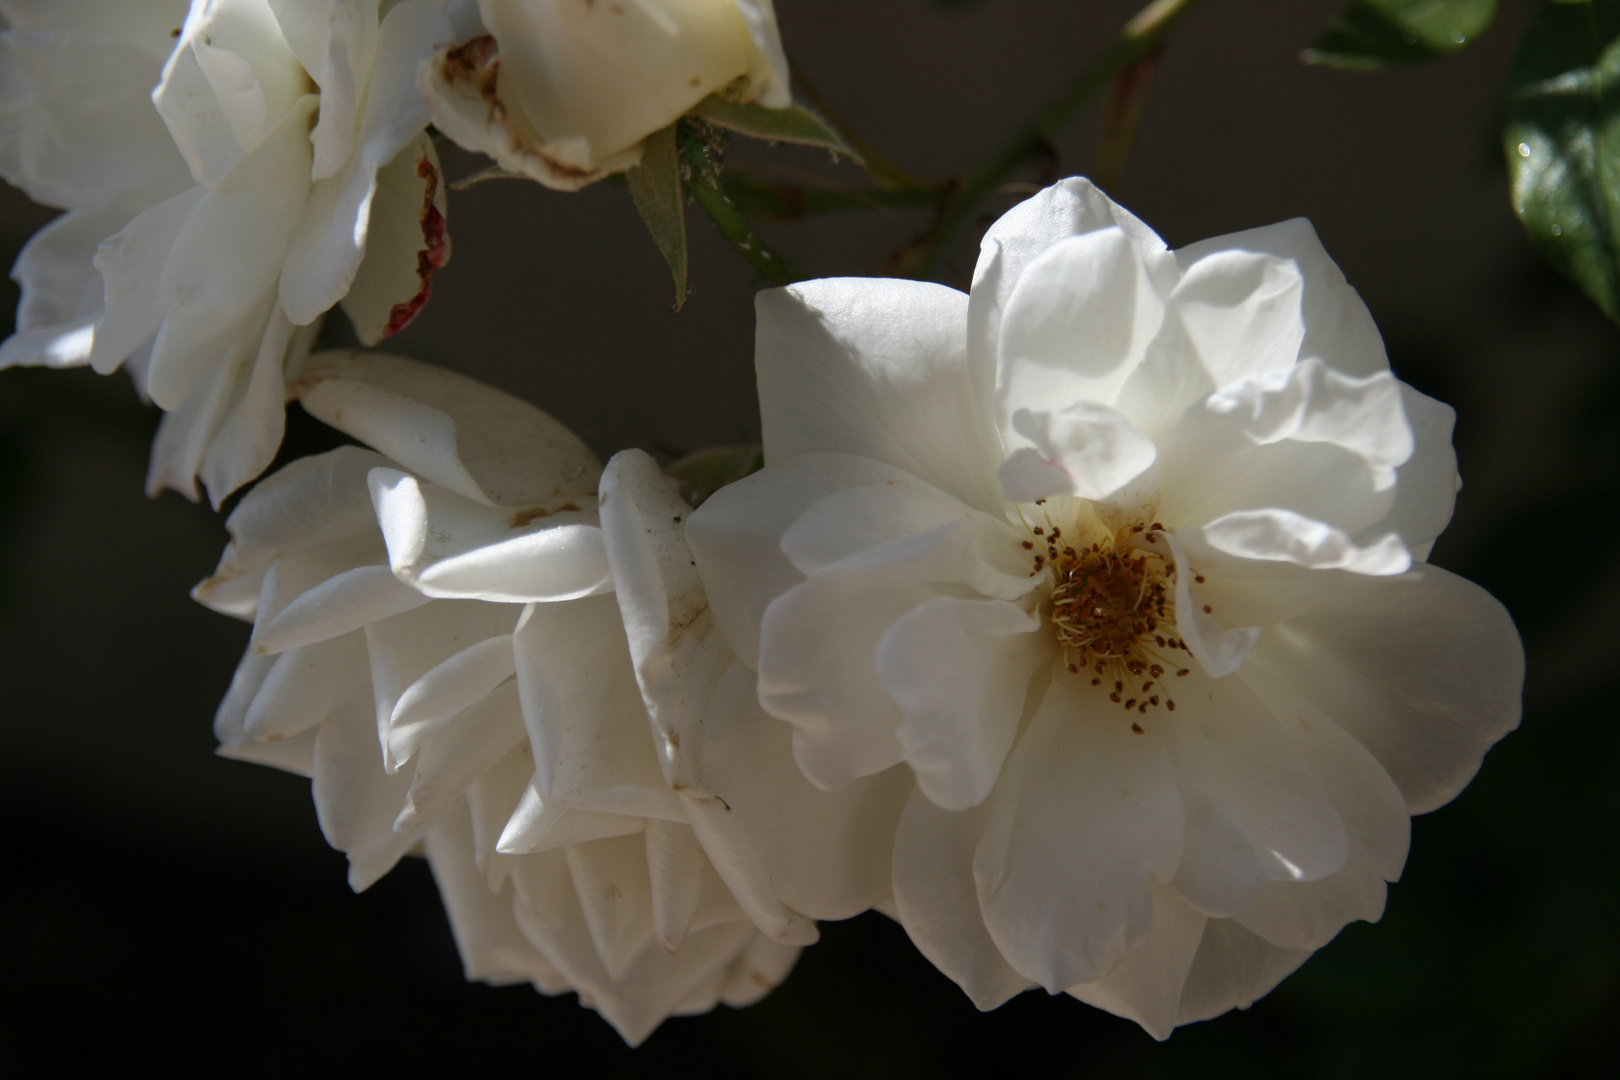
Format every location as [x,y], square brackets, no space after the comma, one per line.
[1113,610]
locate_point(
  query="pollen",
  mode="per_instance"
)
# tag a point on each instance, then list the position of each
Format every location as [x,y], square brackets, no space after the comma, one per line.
[1112,605]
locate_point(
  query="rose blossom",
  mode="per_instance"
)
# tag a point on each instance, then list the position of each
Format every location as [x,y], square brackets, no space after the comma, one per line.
[435,644]
[277,168]
[564,91]
[1120,557]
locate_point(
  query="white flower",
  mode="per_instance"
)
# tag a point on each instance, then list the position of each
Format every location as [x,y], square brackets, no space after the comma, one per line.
[1117,558]
[277,168]
[564,91]
[433,642]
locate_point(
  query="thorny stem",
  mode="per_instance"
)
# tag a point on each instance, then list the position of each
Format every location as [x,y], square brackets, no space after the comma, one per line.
[704,185]
[1145,32]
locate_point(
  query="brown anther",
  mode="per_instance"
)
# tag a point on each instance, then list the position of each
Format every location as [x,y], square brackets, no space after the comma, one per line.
[1208,610]
[1198,578]
[1131,704]
[1096,682]
[1029,545]
[1170,704]
[1160,640]
[1147,686]
[1136,528]
[1154,700]
[1156,670]
[1040,502]
[1142,708]
[1038,531]
[1114,698]
[1119,686]
[1183,672]
[1056,532]
[1136,727]
[1157,527]
[1074,668]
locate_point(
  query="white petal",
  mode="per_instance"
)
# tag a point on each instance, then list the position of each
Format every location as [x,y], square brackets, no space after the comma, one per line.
[406,647]
[586,720]
[938,904]
[608,78]
[678,654]
[1255,811]
[1146,986]
[980,552]
[459,753]
[768,72]
[959,670]
[1082,449]
[305,685]
[62,295]
[657,982]
[1070,207]
[1306,915]
[230,79]
[448,688]
[493,950]
[448,546]
[1425,670]
[131,264]
[675,870]
[1218,650]
[1284,536]
[1427,483]
[332,236]
[760,969]
[825,854]
[295,755]
[1338,327]
[77,127]
[406,244]
[228,254]
[1085,811]
[1233,969]
[340,604]
[312,501]
[1077,324]
[355,799]
[482,444]
[335,41]
[741,865]
[876,368]
[735,536]
[1240,313]
[818,660]
[1307,439]
[249,436]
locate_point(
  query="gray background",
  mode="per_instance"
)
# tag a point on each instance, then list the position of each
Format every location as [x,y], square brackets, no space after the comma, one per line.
[166,905]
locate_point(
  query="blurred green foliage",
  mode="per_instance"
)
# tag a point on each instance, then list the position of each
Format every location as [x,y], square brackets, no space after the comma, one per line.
[1562,141]
[1375,34]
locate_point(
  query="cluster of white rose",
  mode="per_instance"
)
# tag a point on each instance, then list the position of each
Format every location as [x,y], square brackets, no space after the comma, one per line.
[1081,623]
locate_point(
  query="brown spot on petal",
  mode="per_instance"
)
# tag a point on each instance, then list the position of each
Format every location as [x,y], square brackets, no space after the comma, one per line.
[535,513]
[434,253]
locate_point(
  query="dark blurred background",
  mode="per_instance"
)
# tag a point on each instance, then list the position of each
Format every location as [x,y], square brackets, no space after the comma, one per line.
[165,906]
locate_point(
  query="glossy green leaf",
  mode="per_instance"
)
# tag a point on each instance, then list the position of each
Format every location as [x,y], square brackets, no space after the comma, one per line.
[1562,140]
[794,124]
[655,185]
[1374,34]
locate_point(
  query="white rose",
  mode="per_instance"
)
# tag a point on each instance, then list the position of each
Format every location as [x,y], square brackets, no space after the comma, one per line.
[433,643]
[277,168]
[564,91]
[1119,558]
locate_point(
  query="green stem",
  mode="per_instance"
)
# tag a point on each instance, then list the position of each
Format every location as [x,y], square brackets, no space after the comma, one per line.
[1144,33]
[704,185]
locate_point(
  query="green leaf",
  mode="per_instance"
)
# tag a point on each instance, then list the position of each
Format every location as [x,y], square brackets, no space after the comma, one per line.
[794,124]
[655,185]
[1376,34]
[1562,140]
[703,472]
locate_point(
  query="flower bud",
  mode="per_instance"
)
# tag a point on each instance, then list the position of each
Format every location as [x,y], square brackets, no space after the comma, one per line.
[565,91]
